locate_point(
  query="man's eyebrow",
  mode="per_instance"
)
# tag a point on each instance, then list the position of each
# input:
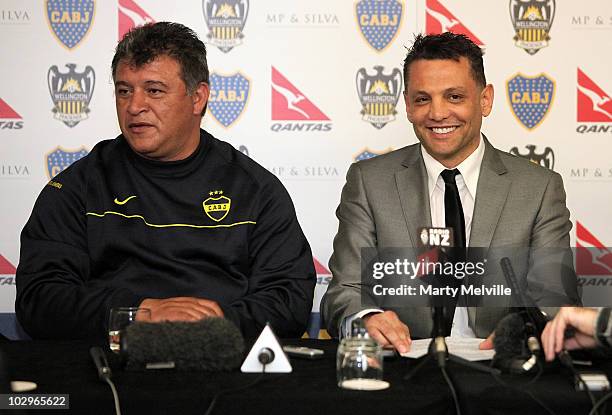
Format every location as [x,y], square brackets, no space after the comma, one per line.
[147,83]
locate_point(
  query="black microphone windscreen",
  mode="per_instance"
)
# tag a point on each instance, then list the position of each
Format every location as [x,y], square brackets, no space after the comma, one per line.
[509,337]
[211,344]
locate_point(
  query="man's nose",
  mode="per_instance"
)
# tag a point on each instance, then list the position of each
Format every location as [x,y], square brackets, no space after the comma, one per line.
[137,103]
[438,109]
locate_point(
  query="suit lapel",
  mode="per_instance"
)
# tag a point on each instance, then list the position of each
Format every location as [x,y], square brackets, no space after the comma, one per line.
[413,193]
[491,194]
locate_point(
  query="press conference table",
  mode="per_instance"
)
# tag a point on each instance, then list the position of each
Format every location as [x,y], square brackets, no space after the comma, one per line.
[66,367]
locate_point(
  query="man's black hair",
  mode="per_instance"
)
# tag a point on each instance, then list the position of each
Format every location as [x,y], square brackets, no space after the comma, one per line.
[143,44]
[446,45]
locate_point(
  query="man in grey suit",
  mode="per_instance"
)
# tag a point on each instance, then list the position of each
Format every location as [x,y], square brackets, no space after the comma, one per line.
[505,200]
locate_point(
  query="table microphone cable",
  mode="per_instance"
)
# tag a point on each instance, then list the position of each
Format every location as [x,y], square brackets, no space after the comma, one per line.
[566,360]
[104,373]
[452,389]
[603,400]
[265,357]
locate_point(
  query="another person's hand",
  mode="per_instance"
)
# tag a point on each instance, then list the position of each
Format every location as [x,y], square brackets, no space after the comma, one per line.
[388,330]
[487,344]
[581,319]
[181,308]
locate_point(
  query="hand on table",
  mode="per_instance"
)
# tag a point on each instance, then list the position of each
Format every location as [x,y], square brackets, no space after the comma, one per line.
[181,308]
[388,330]
[580,318]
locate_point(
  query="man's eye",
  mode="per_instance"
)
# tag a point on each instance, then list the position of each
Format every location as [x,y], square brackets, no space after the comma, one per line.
[154,91]
[420,100]
[122,91]
[456,97]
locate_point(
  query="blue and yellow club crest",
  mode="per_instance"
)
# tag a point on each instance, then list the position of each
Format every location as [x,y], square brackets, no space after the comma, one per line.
[70,20]
[217,206]
[379,21]
[59,159]
[228,97]
[530,98]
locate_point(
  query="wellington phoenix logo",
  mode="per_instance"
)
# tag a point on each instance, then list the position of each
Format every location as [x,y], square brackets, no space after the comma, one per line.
[379,21]
[592,257]
[530,98]
[440,20]
[545,159]
[290,104]
[225,20]
[594,104]
[532,20]
[228,96]
[131,15]
[379,94]
[70,20]
[9,119]
[59,159]
[71,93]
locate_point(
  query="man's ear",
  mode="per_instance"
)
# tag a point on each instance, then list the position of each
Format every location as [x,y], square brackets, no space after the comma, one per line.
[486,100]
[200,98]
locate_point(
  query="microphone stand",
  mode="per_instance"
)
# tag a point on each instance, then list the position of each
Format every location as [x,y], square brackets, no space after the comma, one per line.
[438,350]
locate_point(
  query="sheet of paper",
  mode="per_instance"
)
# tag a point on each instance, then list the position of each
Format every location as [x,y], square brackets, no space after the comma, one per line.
[466,347]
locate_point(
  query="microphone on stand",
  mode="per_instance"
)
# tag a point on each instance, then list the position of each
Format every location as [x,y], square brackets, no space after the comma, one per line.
[211,344]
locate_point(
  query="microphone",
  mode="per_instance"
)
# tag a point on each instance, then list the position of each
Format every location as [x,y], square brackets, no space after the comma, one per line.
[99,359]
[211,344]
[512,353]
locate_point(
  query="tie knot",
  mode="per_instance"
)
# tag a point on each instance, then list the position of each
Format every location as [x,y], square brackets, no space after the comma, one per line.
[449,176]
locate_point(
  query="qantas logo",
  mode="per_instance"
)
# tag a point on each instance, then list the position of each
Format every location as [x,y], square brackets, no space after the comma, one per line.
[289,104]
[9,118]
[7,272]
[440,20]
[594,105]
[130,16]
[592,257]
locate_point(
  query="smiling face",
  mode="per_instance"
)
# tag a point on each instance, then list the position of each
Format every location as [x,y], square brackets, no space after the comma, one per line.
[157,116]
[445,106]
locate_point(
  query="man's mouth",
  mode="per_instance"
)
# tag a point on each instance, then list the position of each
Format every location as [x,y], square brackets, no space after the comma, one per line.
[139,126]
[443,130]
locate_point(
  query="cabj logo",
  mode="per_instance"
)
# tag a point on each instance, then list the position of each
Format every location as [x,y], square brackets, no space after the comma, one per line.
[225,20]
[439,20]
[217,206]
[9,119]
[7,272]
[70,20]
[379,21]
[59,159]
[379,94]
[530,98]
[532,20]
[131,15]
[592,257]
[71,93]
[228,97]
[366,154]
[290,104]
[545,159]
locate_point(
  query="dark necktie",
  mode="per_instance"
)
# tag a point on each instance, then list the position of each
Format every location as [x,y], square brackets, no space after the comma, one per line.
[453,216]
[453,210]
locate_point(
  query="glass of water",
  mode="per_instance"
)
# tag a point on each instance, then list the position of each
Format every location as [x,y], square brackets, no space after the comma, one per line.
[359,365]
[119,319]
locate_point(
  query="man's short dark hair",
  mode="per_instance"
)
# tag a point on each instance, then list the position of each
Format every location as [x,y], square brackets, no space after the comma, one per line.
[446,45]
[143,44]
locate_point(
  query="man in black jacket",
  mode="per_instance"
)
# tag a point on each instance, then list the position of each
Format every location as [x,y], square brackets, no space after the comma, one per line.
[165,216]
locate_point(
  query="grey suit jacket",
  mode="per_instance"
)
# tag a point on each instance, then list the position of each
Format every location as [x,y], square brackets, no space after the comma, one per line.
[385,200]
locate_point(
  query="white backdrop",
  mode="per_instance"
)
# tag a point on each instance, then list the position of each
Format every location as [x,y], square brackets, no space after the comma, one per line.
[313,49]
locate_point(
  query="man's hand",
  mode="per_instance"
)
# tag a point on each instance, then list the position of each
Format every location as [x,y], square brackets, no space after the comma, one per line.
[553,336]
[387,329]
[487,344]
[181,308]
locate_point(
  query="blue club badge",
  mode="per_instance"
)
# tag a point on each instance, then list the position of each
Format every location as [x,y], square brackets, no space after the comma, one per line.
[379,21]
[228,97]
[530,98]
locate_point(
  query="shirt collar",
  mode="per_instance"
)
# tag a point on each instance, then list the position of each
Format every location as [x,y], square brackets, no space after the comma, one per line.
[469,169]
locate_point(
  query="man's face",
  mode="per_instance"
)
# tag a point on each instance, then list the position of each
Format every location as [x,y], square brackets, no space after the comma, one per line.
[157,117]
[445,106]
